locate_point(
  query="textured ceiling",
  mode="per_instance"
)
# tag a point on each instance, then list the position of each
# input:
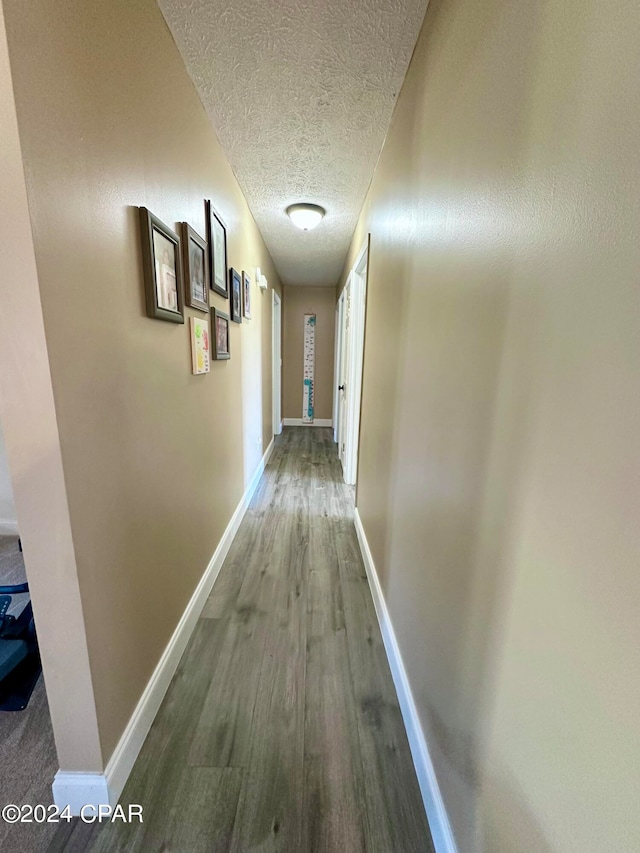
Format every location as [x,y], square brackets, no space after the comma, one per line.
[300,93]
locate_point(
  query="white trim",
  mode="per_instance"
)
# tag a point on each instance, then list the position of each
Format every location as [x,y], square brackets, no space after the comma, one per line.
[8,528]
[441,831]
[321,422]
[78,789]
[363,258]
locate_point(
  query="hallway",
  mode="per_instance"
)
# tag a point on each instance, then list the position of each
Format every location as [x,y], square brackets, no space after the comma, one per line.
[259,745]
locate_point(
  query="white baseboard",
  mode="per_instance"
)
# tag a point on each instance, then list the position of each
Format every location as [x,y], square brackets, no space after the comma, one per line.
[318,422]
[78,789]
[8,528]
[441,831]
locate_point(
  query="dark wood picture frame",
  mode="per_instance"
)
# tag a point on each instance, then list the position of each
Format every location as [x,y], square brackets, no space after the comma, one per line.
[217,239]
[218,351]
[235,295]
[159,290]
[189,236]
[246,295]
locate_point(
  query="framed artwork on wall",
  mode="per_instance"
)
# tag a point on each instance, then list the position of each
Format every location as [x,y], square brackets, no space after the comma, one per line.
[220,335]
[162,267]
[196,269]
[217,238]
[235,283]
[246,295]
[200,345]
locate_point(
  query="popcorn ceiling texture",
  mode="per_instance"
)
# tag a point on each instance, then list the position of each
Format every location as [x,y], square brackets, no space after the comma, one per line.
[300,93]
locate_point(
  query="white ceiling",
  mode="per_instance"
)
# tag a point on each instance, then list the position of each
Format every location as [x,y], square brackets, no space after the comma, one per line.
[300,93]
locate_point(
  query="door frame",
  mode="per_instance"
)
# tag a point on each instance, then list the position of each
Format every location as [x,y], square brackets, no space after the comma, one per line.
[276,362]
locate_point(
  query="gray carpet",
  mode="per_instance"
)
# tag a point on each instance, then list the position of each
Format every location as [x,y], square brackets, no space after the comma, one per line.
[28,759]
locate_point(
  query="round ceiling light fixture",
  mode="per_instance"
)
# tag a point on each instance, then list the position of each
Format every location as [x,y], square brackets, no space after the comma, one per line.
[305,216]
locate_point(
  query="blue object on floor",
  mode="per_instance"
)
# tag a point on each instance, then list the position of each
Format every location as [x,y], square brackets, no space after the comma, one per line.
[12,652]
[20,665]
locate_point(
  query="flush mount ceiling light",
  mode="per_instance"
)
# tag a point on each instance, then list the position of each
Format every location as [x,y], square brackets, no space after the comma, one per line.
[305,216]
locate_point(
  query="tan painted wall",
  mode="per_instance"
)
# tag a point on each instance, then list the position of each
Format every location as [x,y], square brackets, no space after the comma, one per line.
[27,413]
[297,302]
[155,459]
[500,445]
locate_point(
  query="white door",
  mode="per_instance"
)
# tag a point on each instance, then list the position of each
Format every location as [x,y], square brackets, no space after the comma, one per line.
[336,374]
[358,303]
[276,343]
[351,309]
[343,398]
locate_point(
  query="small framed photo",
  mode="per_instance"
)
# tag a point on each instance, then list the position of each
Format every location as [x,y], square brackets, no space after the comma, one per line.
[196,269]
[235,283]
[246,295]
[200,345]
[162,266]
[220,335]
[217,238]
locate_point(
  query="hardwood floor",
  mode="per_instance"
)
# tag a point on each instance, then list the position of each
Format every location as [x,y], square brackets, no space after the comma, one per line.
[281,730]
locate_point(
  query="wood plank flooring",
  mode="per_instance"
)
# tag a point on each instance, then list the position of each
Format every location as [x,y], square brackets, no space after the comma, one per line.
[281,730]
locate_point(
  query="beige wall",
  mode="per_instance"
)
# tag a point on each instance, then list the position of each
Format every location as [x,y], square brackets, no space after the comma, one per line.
[30,430]
[155,459]
[500,449]
[297,302]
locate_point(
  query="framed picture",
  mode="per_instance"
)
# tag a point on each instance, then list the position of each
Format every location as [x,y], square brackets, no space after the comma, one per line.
[220,335]
[162,266]
[200,345]
[196,269]
[217,237]
[246,295]
[235,283]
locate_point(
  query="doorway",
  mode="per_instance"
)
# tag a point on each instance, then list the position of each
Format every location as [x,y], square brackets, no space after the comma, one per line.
[276,347]
[350,324]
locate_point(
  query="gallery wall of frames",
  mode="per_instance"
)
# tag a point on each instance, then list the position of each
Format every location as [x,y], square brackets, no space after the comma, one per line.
[180,268]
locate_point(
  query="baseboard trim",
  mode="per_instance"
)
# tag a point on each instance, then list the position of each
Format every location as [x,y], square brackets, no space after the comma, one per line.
[77,789]
[80,789]
[318,422]
[8,528]
[441,831]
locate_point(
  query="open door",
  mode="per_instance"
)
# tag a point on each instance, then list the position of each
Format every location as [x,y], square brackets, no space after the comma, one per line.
[351,322]
[276,347]
[343,400]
